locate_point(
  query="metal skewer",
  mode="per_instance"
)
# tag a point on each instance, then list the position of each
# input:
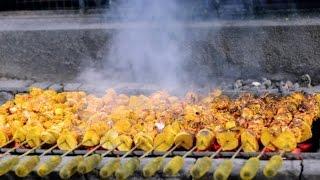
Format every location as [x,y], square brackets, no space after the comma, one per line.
[237,152]
[216,153]
[30,150]
[7,143]
[12,149]
[48,150]
[189,152]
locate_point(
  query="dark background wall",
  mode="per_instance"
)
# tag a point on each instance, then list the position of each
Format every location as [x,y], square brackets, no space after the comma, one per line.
[58,50]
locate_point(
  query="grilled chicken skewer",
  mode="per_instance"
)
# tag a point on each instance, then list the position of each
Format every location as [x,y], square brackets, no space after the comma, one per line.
[48,166]
[69,168]
[285,142]
[250,169]
[155,165]
[25,166]
[227,140]
[109,169]
[109,141]
[51,136]
[176,163]
[7,164]
[225,168]
[127,169]
[203,141]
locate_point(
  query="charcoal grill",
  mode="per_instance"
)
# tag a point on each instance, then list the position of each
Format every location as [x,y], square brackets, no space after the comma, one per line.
[293,166]
[296,165]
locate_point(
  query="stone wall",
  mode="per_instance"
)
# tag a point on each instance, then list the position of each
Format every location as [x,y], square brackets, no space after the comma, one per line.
[59,47]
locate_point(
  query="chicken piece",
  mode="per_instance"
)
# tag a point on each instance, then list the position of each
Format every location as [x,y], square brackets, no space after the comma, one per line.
[110,140]
[127,169]
[125,143]
[306,132]
[204,139]
[201,167]
[5,135]
[285,141]
[20,134]
[224,170]
[51,135]
[48,166]
[173,166]
[144,141]
[90,138]
[221,102]
[122,126]
[228,140]
[230,125]
[249,142]
[308,118]
[67,140]
[173,128]
[273,165]
[33,136]
[184,140]
[192,112]
[25,166]
[297,97]
[284,117]
[109,168]
[250,169]
[247,113]
[266,139]
[152,167]
[163,141]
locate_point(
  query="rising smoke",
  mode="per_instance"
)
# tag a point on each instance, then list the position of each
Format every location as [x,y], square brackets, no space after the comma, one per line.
[151,50]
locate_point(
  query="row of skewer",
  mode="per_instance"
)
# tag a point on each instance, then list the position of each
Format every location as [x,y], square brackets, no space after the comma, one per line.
[23,166]
[160,122]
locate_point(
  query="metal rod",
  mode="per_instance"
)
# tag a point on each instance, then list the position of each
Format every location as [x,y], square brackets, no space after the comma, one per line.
[92,150]
[216,153]
[237,152]
[30,150]
[172,149]
[7,143]
[189,152]
[12,149]
[66,153]
[109,151]
[130,151]
[146,153]
[48,150]
[262,152]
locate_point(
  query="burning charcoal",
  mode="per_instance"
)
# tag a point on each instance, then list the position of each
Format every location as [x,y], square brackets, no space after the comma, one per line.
[305,81]
[238,84]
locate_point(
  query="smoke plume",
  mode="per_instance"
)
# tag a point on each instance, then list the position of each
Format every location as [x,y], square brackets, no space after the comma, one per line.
[150,50]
